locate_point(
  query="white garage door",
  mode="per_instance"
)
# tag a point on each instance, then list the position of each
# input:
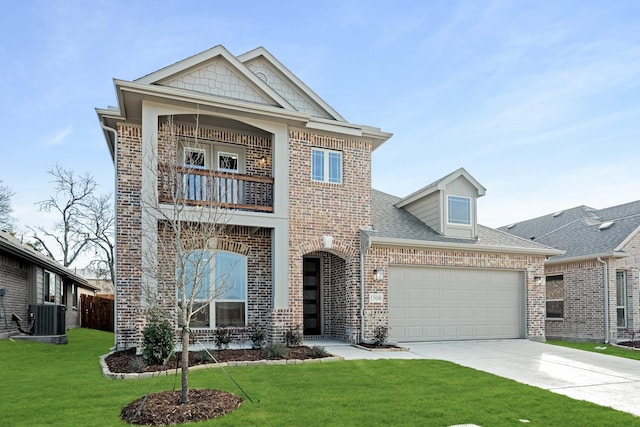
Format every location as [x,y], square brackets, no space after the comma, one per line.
[434,304]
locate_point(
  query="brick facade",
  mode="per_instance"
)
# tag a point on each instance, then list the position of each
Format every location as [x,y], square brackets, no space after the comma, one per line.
[382,257]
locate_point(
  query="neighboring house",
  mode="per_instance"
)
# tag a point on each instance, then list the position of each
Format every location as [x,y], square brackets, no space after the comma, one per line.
[304,230]
[592,289]
[32,285]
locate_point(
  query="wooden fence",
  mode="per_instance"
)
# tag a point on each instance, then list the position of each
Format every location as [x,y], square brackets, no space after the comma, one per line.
[97,312]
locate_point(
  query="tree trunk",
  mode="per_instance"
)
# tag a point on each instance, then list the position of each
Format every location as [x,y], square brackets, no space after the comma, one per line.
[184,395]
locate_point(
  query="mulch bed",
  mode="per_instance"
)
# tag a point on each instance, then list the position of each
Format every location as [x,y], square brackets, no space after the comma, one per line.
[634,344]
[164,408]
[125,361]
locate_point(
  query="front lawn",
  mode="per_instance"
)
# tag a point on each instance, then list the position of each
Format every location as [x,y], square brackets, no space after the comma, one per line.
[49,385]
[609,349]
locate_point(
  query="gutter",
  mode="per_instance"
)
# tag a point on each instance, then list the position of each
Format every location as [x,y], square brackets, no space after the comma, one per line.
[587,258]
[115,233]
[382,241]
[606,300]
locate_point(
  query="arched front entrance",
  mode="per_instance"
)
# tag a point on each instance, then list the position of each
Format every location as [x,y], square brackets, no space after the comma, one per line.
[324,295]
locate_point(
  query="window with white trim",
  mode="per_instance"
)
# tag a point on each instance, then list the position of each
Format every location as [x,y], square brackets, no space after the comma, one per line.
[218,280]
[555,297]
[459,210]
[49,287]
[326,166]
[621,299]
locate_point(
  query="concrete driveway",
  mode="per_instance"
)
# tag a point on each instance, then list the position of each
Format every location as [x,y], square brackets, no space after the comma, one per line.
[604,380]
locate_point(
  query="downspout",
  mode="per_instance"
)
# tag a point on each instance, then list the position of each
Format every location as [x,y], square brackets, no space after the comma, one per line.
[364,245]
[606,300]
[115,227]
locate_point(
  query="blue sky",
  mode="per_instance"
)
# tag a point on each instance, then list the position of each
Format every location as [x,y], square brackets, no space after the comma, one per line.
[538,100]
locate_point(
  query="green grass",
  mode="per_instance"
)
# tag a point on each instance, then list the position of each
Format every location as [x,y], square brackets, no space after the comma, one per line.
[49,385]
[611,350]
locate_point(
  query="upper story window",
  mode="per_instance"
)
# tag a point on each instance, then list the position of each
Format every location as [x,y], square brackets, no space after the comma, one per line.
[459,210]
[326,166]
[228,162]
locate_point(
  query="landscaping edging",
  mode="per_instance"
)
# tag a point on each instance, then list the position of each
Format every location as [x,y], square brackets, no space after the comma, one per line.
[134,376]
[394,348]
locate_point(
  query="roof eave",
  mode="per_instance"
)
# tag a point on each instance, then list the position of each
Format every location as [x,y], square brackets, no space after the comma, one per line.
[389,241]
[613,254]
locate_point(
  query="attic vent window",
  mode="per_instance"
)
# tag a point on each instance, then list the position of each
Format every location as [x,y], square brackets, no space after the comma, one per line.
[262,76]
[510,226]
[557,214]
[605,225]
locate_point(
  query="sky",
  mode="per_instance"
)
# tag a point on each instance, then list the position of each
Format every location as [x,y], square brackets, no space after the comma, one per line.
[538,100]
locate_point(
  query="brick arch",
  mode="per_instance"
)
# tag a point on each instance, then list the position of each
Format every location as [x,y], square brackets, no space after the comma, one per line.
[229,246]
[338,247]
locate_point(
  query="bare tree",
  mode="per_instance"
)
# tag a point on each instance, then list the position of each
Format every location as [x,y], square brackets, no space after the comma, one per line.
[70,201]
[85,222]
[6,220]
[98,222]
[185,212]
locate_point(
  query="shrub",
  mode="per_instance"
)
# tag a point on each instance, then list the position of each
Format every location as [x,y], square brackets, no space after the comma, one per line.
[157,340]
[222,338]
[277,350]
[380,335]
[204,356]
[258,338]
[137,364]
[318,351]
[293,337]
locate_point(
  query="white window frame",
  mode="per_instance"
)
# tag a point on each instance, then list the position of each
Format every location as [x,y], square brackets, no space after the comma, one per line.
[324,175]
[211,302]
[49,285]
[547,300]
[451,220]
[621,300]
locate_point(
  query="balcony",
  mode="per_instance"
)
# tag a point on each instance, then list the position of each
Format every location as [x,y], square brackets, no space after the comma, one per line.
[201,187]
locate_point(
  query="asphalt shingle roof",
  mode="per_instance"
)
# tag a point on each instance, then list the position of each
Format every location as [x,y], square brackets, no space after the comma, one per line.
[392,222]
[578,230]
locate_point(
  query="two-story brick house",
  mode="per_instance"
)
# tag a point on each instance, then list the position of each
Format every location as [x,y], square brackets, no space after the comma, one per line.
[301,226]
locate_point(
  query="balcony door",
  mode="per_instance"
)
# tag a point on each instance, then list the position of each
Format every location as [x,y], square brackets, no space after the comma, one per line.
[195,185]
[228,188]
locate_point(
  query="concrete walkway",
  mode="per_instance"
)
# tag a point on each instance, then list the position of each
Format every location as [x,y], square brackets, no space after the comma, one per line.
[604,380]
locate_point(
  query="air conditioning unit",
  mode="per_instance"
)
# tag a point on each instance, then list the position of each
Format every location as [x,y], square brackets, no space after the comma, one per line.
[48,319]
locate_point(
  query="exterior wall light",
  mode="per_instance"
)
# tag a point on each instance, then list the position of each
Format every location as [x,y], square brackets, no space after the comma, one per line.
[378,275]
[538,280]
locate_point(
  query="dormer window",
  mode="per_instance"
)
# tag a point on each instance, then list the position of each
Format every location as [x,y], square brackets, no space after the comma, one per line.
[459,210]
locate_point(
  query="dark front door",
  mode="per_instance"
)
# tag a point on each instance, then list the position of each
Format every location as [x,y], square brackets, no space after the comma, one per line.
[311,296]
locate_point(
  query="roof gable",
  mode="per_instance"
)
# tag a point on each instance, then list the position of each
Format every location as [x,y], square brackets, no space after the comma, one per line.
[263,64]
[441,185]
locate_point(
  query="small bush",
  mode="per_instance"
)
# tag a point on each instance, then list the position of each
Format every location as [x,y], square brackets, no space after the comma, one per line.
[258,338]
[277,350]
[318,351]
[157,340]
[222,338]
[137,364]
[380,334]
[204,356]
[293,337]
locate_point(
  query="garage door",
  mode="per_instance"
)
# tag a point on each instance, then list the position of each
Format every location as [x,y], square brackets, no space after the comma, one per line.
[434,304]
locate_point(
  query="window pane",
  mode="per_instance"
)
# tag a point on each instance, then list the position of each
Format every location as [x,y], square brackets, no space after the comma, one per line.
[459,210]
[231,276]
[194,159]
[555,309]
[335,167]
[197,273]
[317,165]
[620,288]
[228,162]
[200,319]
[230,313]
